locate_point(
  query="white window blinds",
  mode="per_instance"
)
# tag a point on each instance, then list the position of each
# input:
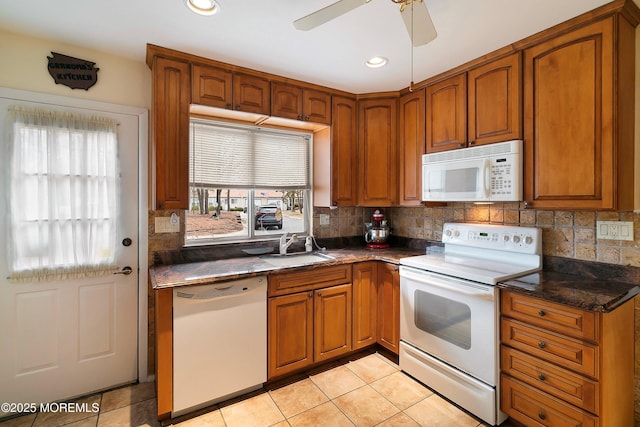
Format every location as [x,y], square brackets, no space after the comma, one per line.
[222,156]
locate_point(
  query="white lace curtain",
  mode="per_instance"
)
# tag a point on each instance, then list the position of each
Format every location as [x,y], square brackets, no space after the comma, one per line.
[62,191]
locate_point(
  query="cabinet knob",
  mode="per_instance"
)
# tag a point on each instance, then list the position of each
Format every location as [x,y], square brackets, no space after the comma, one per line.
[527,205]
[238,107]
[306,118]
[541,313]
[460,145]
[300,117]
[471,143]
[542,416]
[310,294]
[542,344]
[229,106]
[542,377]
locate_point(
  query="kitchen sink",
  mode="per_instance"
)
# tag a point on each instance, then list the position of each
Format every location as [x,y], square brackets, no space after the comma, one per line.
[296,258]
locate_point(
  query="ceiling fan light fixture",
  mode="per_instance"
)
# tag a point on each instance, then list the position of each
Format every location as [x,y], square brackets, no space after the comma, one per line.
[203,7]
[376,62]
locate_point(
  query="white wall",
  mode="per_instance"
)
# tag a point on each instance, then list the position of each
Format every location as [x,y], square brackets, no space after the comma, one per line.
[120,80]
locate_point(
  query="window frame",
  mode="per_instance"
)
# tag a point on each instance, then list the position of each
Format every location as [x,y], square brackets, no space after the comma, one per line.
[251,236]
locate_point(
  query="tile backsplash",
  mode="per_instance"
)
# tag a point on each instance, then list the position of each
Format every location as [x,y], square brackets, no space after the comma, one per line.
[568,234]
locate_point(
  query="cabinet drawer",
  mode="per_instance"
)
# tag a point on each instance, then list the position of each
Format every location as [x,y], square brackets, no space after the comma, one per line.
[298,281]
[559,382]
[555,317]
[572,354]
[535,408]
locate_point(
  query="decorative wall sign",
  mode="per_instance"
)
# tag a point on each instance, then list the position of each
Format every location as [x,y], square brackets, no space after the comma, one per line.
[73,72]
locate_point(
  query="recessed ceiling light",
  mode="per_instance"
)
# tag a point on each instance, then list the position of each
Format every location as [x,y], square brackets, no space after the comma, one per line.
[203,7]
[376,62]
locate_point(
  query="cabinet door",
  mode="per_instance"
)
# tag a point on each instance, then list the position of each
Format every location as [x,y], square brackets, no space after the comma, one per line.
[494,101]
[212,86]
[365,304]
[389,306]
[290,333]
[316,106]
[171,99]
[377,152]
[332,307]
[569,146]
[251,94]
[446,104]
[286,101]
[344,151]
[411,143]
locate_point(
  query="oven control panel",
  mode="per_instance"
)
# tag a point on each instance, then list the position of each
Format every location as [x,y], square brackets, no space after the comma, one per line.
[493,236]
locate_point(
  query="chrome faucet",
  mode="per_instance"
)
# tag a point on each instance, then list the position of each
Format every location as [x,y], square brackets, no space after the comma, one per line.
[284,244]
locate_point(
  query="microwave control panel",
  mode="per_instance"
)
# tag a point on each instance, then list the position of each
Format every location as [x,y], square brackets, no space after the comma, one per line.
[505,181]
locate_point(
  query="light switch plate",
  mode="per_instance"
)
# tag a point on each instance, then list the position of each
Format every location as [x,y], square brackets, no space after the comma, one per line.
[614,230]
[324,219]
[165,224]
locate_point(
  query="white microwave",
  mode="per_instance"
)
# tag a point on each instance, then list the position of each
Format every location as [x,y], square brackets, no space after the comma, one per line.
[487,173]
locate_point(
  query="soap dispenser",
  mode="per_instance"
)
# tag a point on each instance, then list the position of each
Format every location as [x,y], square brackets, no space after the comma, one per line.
[308,245]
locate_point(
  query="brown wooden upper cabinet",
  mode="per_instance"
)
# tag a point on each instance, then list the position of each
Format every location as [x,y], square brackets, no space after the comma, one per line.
[297,103]
[479,107]
[377,125]
[344,151]
[217,87]
[170,132]
[411,147]
[494,101]
[446,105]
[579,115]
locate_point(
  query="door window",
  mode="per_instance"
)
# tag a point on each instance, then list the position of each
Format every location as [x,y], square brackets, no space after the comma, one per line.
[63,194]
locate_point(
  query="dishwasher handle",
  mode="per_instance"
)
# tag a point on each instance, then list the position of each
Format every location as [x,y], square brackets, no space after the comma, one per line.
[223,290]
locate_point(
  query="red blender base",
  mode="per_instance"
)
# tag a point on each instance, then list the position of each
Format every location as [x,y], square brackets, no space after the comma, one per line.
[377,245]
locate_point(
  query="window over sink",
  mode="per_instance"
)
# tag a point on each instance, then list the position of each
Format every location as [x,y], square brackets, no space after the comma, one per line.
[247,182]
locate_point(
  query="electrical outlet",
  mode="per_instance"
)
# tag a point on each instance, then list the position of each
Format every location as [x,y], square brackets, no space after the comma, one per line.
[324,219]
[614,230]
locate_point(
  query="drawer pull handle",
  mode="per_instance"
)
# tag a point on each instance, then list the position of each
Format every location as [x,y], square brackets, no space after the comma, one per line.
[542,344]
[542,377]
[541,415]
[541,313]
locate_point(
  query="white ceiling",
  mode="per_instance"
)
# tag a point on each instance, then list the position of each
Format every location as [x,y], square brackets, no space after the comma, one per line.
[259,34]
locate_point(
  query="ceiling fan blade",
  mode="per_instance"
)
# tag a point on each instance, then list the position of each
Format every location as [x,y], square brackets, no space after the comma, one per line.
[422,31]
[326,14]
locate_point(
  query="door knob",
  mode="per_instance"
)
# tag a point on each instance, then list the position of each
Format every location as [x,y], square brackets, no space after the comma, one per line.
[126,241]
[125,270]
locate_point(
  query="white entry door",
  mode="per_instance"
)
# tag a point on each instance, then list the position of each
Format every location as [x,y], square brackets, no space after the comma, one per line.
[67,338]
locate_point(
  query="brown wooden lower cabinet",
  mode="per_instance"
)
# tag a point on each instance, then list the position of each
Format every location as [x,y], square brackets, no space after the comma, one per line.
[365,304]
[562,366]
[308,326]
[389,306]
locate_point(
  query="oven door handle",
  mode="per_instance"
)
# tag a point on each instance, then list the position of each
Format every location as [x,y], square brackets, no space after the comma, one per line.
[450,283]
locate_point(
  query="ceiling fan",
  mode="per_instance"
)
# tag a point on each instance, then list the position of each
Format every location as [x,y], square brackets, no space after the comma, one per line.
[421,29]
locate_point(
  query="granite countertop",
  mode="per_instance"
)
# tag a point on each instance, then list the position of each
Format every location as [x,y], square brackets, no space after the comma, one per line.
[206,272]
[586,293]
[590,286]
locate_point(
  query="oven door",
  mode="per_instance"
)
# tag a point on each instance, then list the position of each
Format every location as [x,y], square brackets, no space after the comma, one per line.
[451,319]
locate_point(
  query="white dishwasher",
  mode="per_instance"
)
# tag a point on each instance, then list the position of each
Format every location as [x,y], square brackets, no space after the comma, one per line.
[219,342]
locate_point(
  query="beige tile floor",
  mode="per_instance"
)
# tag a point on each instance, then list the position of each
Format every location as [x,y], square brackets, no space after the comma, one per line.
[369,391]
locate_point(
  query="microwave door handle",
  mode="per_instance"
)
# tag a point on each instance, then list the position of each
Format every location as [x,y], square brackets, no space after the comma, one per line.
[486,178]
